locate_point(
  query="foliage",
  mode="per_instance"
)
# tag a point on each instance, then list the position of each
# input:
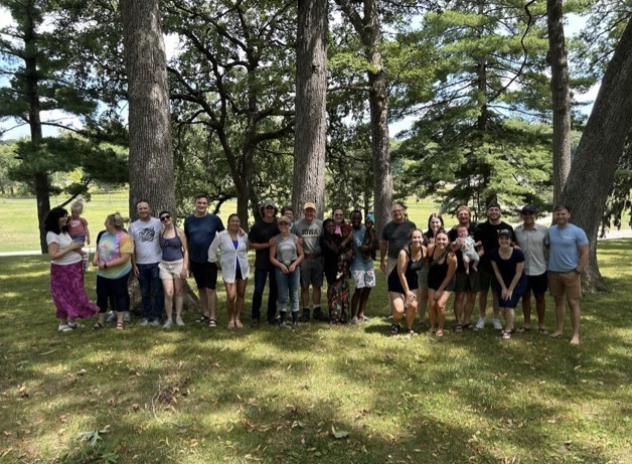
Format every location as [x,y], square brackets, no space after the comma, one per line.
[7,161]
[619,204]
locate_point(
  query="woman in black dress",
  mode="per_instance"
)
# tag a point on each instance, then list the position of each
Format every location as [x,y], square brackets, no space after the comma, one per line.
[403,284]
[441,269]
[336,254]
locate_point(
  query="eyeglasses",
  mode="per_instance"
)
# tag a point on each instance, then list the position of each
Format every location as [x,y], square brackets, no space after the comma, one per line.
[164,218]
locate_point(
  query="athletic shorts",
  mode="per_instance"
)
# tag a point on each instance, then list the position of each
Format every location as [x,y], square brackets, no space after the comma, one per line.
[364,279]
[467,283]
[312,272]
[487,280]
[565,284]
[205,274]
[538,284]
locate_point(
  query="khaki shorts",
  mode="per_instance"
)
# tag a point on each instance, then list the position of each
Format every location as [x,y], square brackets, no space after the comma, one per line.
[170,270]
[567,284]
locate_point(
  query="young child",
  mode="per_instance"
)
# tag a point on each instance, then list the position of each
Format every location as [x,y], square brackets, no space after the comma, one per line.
[78,230]
[468,249]
[370,240]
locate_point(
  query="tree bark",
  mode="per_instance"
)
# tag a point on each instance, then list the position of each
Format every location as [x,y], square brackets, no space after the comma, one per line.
[150,153]
[561,98]
[601,146]
[311,94]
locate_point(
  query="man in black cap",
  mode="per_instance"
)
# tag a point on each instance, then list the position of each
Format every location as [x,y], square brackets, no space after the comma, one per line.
[532,239]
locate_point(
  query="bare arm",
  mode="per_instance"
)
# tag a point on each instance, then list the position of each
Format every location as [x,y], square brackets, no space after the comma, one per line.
[383,245]
[583,258]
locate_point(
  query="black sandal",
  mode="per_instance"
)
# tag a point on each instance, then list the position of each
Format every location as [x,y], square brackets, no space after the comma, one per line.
[98,326]
[203,319]
[394,329]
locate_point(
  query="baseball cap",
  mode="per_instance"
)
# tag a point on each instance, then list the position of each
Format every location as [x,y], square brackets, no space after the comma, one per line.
[529,209]
[284,219]
[267,203]
[309,205]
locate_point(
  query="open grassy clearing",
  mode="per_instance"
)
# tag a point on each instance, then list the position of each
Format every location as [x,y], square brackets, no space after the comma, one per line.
[199,395]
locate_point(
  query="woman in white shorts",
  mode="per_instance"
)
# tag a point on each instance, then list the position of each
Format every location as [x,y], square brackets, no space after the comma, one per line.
[173,267]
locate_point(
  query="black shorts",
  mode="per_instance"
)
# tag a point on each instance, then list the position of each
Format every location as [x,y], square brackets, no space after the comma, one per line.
[205,274]
[467,283]
[487,279]
[538,284]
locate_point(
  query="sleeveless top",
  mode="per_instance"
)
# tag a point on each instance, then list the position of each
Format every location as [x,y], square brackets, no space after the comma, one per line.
[286,251]
[394,285]
[437,272]
[171,248]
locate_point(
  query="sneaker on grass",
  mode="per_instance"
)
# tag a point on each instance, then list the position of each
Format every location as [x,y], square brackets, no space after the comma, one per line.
[167,324]
[481,323]
[497,324]
[143,322]
[155,323]
[179,322]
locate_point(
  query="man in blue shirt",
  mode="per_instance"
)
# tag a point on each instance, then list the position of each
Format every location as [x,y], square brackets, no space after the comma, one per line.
[200,229]
[567,259]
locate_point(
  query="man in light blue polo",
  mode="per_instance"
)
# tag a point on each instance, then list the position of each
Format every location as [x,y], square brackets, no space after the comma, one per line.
[567,259]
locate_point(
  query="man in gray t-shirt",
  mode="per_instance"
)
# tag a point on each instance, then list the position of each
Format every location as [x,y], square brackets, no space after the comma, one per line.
[395,236]
[309,229]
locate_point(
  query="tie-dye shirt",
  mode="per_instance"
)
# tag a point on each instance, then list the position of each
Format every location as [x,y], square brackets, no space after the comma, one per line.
[112,247]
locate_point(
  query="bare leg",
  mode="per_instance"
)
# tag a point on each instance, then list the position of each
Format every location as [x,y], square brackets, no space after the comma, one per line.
[239,306]
[509,319]
[355,301]
[482,303]
[459,303]
[411,312]
[526,308]
[364,298]
[496,305]
[167,286]
[573,306]
[316,296]
[441,302]
[397,303]
[231,294]
[177,287]
[204,301]
[422,297]
[540,304]
[305,297]
[470,300]
[432,310]
[212,303]
[559,316]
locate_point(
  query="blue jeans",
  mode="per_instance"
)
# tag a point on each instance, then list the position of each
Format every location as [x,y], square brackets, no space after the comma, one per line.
[257,298]
[149,281]
[288,284]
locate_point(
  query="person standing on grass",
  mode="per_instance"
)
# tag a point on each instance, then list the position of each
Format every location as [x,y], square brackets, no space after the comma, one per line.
[173,266]
[114,260]
[66,273]
[336,256]
[567,259]
[200,229]
[487,234]
[466,285]
[145,232]
[309,230]
[362,266]
[402,282]
[395,236]
[286,254]
[233,248]
[532,239]
[508,265]
[435,224]
[442,265]
[259,240]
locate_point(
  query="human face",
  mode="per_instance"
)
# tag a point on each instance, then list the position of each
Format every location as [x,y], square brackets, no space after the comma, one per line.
[110,227]
[166,219]
[143,210]
[397,212]
[561,217]
[528,219]
[504,241]
[493,214]
[463,232]
[234,224]
[309,214]
[201,206]
[416,239]
[331,228]
[62,221]
[463,217]
[441,241]
[435,224]
[290,214]
[356,220]
[368,224]
[75,213]
[284,227]
[268,211]
[338,216]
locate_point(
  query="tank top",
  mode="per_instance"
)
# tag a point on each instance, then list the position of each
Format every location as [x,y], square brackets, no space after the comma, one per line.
[171,248]
[437,272]
[286,251]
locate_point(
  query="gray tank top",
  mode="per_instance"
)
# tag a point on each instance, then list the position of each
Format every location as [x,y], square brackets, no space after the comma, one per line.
[286,249]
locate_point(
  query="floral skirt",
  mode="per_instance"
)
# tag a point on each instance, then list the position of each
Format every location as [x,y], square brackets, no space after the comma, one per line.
[69,294]
[338,298]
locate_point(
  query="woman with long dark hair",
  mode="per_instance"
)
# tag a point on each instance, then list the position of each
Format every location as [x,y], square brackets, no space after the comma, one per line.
[173,266]
[337,254]
[442,266]
[435,224]
[66,272]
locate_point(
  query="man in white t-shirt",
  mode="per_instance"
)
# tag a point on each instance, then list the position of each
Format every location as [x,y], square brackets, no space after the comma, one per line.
[147,256]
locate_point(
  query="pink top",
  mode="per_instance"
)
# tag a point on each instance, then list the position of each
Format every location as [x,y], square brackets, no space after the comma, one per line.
[77,227]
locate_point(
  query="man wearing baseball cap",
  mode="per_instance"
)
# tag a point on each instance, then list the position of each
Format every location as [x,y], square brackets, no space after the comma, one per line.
[259,239]
[310,229]
[532,239]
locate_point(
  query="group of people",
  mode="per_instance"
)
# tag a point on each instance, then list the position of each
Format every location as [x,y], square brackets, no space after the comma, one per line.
[423,268]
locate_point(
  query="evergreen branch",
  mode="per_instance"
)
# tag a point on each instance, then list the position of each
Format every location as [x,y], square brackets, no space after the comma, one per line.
[354,17]
[4,131]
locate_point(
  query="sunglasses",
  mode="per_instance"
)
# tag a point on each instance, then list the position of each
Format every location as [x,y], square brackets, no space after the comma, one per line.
[164,218]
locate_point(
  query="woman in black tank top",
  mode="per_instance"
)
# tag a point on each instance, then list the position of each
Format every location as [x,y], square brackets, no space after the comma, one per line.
[442,266]
[402,282]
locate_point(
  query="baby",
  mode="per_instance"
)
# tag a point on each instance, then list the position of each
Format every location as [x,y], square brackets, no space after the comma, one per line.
[370,240]
[468,249]
[78,230]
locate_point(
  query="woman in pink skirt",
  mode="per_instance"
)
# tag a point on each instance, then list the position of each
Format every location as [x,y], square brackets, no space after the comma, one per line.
[66,273]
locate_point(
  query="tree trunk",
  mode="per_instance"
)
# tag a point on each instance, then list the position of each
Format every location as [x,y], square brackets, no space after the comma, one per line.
[380,140]
[41,183]
[560,97]
[602,144]
[311,94]
[150,153]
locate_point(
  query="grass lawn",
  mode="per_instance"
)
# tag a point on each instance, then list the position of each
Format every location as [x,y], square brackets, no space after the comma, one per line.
[335,395]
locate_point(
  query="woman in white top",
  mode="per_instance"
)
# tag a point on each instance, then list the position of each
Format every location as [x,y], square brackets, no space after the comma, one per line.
[66,272]
[233,261]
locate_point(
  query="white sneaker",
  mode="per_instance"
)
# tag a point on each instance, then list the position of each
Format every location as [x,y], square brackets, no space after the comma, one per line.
[127,317]
[179,322]
[155,323]
[497,324]
[167,325]
[354,321]
[143,322]
[64,328]
[76,325]
[481,323]
[111,317]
